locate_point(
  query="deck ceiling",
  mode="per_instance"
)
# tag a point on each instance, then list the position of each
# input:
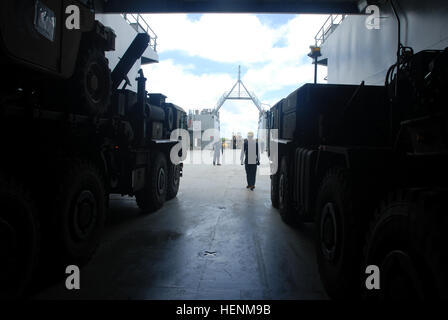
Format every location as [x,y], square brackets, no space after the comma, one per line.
[230,6]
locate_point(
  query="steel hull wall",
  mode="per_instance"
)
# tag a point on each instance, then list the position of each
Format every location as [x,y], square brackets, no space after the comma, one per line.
[356,53]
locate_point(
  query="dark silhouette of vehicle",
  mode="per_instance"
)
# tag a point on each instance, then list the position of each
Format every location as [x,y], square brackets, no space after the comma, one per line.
[71,135]
[368,165]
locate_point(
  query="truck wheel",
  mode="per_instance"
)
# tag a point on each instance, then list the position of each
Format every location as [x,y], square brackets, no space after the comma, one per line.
[153,195]
[337,246]
[284,194]
[80,212]
[274,190]
[19,239]
[406,241]
[173,181]
[91,84]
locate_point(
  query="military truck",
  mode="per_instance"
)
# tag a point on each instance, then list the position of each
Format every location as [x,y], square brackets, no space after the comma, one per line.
[72,134]
[368,165]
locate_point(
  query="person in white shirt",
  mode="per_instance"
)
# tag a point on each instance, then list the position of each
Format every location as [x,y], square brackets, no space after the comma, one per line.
[250,158]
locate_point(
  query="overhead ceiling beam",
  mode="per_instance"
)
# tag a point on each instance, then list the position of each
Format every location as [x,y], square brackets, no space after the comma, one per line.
[231,6]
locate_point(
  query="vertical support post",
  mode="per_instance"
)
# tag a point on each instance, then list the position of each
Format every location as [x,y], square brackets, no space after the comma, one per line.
[141,92]
[141,102]
[314,54]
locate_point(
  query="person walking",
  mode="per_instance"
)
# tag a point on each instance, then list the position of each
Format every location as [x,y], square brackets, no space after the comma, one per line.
[250,158]
[217,149]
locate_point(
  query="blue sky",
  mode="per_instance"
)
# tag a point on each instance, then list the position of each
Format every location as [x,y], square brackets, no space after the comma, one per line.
[199,58]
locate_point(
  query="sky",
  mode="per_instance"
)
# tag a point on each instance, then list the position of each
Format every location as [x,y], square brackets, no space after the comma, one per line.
[199,55]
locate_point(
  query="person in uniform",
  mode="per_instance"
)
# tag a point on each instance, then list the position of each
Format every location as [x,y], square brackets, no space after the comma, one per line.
[250,158]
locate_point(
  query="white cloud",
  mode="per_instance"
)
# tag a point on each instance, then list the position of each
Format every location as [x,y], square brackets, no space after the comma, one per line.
[182,87]
[220,37]
[272,55]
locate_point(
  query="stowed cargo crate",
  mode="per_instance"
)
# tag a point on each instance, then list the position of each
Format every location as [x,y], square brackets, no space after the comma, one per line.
[334,114]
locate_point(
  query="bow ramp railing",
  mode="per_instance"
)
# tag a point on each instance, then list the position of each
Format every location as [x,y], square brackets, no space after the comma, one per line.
[332,22]
[139,23]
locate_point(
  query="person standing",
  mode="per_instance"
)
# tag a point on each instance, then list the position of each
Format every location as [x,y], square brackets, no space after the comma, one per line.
[217,149]
[250,158]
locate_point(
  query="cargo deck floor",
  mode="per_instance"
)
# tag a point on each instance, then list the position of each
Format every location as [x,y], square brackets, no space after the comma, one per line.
[216,240]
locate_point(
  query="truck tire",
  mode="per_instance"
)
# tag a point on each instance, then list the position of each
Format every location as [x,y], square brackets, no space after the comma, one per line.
[274,190]
[91,85]
[285,206]
[406,240]
[338,249]
[173,181]
[153,195]
[79,212]
[19,239]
